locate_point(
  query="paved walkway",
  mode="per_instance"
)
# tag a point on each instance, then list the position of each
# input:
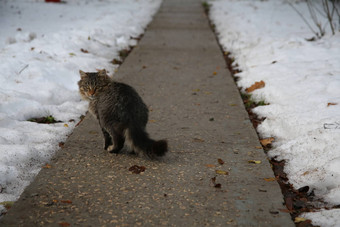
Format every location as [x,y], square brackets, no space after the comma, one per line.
[180,72]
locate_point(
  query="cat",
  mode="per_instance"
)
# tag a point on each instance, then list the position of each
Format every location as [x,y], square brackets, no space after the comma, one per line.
[121,114]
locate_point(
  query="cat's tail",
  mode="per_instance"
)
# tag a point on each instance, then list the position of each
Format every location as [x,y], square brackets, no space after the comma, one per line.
[139,140]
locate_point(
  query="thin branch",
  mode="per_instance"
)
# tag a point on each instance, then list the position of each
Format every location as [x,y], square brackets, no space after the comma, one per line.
[329,16]
[25,67]
[303,18]
[318,24]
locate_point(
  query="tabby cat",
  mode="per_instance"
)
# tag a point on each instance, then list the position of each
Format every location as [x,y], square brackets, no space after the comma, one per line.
[121,114]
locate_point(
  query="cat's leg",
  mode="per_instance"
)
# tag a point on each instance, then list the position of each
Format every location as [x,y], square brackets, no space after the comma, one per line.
[118,144]
[116,132]
[107,138]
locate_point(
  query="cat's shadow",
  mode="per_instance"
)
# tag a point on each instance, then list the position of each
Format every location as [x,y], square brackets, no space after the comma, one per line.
[168,158]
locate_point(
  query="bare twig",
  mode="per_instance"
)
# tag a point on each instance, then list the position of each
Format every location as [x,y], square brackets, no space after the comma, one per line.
[25,67]
[315,19]
[303,18]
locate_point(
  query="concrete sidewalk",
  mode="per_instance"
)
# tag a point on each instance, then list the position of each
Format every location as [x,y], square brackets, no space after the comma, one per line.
[180,72]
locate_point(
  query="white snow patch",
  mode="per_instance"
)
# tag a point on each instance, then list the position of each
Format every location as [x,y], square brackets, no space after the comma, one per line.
[40,55]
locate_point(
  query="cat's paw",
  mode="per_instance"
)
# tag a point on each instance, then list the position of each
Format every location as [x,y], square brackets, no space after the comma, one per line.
[113,149]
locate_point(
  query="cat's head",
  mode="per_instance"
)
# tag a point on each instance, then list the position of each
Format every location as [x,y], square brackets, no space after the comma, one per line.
[92,83]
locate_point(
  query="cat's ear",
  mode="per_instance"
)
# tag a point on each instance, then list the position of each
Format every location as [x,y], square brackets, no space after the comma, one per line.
[102,72]
[82,74]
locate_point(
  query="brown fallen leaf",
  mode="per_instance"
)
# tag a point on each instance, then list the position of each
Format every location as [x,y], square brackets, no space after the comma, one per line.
[66,201]
[221,172]
[84,51]
[267,141]
[284,210]
[256,85]
[270,179]
[61,145]
[331,104]
[7,204]
[254,161]
[258,147]
[47,166]
[299,219]
[305,173]
[198,140]
[210,166]
[137,169]
[218,186]
[116,62]
[289,203]
[213,180]
[220,161]
[64,224]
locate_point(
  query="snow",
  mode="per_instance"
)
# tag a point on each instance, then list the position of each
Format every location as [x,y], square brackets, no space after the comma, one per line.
[40,55]
[267,39]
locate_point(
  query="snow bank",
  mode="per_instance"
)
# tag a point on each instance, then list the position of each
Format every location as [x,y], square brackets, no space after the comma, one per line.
[42,47]
[268,41]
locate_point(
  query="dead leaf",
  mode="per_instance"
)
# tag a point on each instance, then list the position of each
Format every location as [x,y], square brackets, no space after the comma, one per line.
[66,201]
[66,125]
[214,73]
[299,219]
[213,180]
[221,172]
[254,161]
[64,224]
[72,54]
[61,145]
[210,166]
[198,140]
[270,179]
[258,147]
[7,204]
[84,51]
[218,186]
[274,212]
[220,161]
[116,62]
[47,166]
[137,169]
[256,85]
[289,203]
[267,141]
[331,104]
[284,210]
